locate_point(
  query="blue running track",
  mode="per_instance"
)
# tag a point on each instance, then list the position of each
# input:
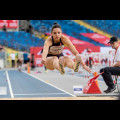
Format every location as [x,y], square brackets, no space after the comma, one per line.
[22,85]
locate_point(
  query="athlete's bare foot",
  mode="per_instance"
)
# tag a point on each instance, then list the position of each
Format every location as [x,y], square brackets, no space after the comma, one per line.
[61,65]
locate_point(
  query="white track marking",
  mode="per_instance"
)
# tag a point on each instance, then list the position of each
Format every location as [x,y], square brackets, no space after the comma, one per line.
[9,84]
[49,84]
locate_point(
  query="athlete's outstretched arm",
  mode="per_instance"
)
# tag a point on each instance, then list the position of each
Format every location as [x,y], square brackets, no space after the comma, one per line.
[71,47]
[74,51]
[47,44]
[69,44]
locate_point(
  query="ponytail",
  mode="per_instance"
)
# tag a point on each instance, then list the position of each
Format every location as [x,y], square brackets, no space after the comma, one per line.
[55,25]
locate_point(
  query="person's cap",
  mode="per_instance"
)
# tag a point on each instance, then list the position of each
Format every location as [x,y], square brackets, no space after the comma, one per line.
[113,39]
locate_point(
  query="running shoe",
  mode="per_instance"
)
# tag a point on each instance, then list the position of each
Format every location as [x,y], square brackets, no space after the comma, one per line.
[77,63]
[61,65]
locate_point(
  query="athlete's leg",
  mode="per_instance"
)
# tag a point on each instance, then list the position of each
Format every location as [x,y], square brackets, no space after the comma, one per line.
[69,62]
[66,61]
[52,63]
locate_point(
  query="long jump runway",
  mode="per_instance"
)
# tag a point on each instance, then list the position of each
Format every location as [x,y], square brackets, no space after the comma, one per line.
[14,84]
[51,85]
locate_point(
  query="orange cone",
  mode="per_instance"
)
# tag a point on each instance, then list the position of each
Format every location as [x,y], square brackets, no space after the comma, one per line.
[95,74]
[28,69]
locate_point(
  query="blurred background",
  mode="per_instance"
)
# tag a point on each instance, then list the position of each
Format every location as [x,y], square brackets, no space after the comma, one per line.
[90,37]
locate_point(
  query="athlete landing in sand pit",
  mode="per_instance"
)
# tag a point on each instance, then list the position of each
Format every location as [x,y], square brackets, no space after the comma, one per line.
[53,57]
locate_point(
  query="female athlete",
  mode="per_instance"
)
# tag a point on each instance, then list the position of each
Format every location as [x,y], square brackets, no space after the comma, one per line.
[53,57]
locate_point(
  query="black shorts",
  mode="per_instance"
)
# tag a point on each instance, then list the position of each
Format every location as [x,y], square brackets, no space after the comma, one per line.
[25,61]
[50,55]
[28,59]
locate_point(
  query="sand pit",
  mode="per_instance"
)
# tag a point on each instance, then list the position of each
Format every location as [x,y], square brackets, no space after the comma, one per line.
[65,98]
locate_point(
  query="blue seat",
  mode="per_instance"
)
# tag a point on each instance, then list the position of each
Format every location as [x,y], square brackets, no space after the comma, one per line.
[18,40]
[110,26]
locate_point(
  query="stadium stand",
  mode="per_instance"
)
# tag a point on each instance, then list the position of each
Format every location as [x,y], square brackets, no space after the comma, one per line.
[20,40]
[24,39]
[110,26]
[69,27]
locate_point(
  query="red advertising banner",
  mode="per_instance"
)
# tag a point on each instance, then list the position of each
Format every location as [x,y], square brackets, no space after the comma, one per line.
[9,23]
[97,37]
[37,51]
[92,49]
[81,50]
[78,42]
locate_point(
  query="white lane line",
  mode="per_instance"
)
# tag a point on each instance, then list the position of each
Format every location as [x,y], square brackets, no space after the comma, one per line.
[9,84]
[49,84]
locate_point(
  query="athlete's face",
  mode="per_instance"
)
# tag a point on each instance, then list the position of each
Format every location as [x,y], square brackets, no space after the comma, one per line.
[57,33]
[114,45]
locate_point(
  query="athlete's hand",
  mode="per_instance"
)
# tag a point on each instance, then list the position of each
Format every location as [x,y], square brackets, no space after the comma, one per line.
[87,69]
[43,61]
